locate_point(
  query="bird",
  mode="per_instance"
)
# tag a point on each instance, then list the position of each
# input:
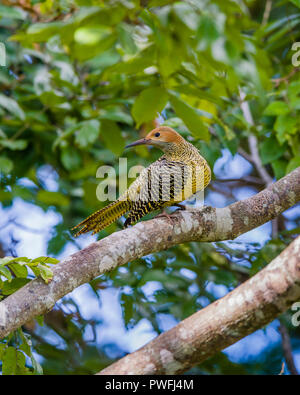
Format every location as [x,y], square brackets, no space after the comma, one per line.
[173,178]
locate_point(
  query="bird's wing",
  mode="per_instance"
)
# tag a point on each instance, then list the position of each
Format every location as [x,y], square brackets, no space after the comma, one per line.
[161,182]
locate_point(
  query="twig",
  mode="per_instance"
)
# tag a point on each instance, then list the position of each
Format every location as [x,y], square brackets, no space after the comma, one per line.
[267,12]
[282,369]
[287,349]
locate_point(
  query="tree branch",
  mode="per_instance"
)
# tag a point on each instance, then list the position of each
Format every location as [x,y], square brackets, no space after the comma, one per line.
[207,224]
[249,307]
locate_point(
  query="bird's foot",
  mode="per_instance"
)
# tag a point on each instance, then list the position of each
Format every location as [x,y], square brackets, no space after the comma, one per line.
[164,214]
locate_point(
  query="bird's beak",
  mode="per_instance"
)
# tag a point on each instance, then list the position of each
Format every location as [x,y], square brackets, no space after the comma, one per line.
[139,142]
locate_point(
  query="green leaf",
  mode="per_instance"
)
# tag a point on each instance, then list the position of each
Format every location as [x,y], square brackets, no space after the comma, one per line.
[279,168]
[53,198]
[5,272]
[71,158]
[84,52]
[12,106]
[148,104]
[14,144]
[39,32]
[12,12]
[88,133]
[125,35]
[115,114]
[15,284]
[112,137]
[45,272]
[190,117]
[270,150]
[127,307]
[207,32]
[19,270]
[285,125]
[293,164]
[6,165]
[296,3]
[6,260]
[40,320]
[57,242]
[9,361]
[277,108]
[134,65]
[51,99]
[45,259]
[2,349]
[21,360]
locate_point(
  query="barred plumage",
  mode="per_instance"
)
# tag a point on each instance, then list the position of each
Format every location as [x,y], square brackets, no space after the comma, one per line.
[176,176]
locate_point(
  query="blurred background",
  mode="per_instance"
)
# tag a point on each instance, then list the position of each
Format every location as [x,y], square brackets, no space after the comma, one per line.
[84,78]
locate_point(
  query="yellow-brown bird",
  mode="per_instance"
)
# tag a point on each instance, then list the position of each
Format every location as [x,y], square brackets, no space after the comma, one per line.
[176,176]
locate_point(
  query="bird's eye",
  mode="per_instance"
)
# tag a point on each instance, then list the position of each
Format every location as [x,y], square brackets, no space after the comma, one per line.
[157,134]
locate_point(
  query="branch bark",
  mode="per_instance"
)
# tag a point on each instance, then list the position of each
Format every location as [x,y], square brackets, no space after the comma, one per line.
[207,224]
[249,307]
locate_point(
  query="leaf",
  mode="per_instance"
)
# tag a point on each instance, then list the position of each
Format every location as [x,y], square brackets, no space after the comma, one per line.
[9,361]
[284,125]
[51,99]
[112,137]
[148,104]
[19,270]
[270,150]
[207,32]
[15,284]
[12,106]
[115,114]
[277,108]
[71,158]
[293,164]
[84,52]
[14,144]
[134,65]
[2,349]
[39,32]
[57,242]
[53,198]
[40,320]
[296,3]
[6,165]
[190,117]
[5,272]
[279,168]
[45,272]
[88,133]
[12,12]
[125,35]
[46,259]
[6,260]
[127,307]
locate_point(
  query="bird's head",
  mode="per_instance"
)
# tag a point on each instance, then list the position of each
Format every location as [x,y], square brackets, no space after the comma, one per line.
[162,137]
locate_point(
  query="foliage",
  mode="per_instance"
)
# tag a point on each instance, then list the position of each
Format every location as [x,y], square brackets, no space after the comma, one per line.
[15,273]
[85,77]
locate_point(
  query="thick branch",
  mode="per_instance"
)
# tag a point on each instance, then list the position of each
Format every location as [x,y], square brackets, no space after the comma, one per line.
[249,307]
[208,224]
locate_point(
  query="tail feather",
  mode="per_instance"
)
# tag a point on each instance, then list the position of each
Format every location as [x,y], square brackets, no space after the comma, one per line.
[103,218]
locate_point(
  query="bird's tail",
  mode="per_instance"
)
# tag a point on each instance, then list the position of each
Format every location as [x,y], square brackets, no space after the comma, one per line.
[104,217]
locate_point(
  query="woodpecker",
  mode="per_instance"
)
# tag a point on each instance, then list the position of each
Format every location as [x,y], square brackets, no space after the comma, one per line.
[174,177]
